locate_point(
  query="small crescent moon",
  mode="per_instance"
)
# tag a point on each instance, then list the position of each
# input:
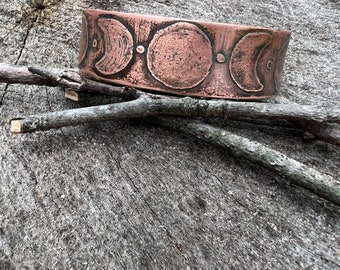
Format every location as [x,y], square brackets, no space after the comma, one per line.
[244,60]
[83,41]
[118,47]
[280,62]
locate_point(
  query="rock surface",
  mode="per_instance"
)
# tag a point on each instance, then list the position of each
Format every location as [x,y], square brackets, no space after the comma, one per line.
[125,194]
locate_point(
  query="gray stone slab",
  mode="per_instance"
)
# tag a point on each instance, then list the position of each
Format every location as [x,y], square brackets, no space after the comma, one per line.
[126,194]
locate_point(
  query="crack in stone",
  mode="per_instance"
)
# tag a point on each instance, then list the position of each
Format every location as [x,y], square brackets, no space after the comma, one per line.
[4,94]
[29,29]
[176,243]
[34,12]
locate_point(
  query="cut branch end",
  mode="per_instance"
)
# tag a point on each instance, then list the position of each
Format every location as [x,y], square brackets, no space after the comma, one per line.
[15,126]
[71,95]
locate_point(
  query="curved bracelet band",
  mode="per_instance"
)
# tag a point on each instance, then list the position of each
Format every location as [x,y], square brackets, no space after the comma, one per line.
[182,57]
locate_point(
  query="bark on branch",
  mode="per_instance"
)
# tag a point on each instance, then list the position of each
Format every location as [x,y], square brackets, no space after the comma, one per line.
[147,105]
[322,122]
[322,184]
[69,79]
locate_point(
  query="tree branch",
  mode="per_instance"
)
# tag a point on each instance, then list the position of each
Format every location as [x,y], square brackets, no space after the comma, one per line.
[18,74]
[140,107]
[71,79]
[320,121]
[298,173]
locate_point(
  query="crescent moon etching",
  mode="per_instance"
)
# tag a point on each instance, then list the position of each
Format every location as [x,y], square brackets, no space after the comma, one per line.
[279,64]
[244,61]
[118,48]
[83,40]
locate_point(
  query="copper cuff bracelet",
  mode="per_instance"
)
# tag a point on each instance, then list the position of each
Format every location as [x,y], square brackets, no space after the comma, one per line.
[182,57]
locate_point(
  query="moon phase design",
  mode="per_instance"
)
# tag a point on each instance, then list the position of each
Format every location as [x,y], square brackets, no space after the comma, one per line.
[180,56]
[118,47]
[83,40]
[279,64]
[244,60]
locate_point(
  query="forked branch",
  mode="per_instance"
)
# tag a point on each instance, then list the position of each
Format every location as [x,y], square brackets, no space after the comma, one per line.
[320,121]
[323,122]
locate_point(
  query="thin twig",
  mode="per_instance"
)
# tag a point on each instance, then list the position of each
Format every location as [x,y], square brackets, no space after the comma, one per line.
[18,74]
[129,109]
[71,79]
[147,105]
[298,173]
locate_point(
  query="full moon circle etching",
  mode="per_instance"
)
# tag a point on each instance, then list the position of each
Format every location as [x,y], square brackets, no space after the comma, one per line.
[180,56]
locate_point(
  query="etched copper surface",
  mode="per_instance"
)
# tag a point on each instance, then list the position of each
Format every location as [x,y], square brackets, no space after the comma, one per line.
[244,61]
[177,49]
[117,46]
[182,57]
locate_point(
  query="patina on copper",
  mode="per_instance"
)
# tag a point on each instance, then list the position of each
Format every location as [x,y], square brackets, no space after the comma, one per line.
[182,57]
